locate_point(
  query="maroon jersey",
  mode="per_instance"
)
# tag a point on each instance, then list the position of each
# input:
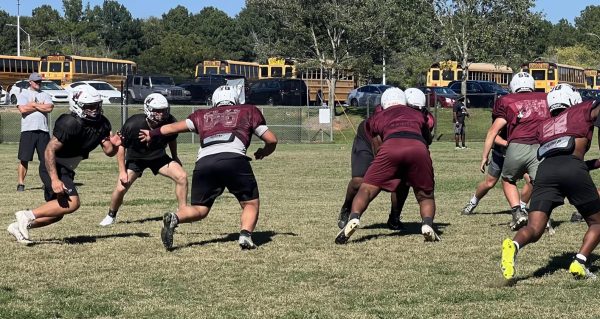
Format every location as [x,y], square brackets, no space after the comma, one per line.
[229,127]
[574,121]
[523,113]
[399,119]
[368,131]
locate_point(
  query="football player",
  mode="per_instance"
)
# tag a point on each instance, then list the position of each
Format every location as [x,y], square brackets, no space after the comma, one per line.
[565,138]
[225,131]
[520,112]
[133,156]
[403,155]
[75,135]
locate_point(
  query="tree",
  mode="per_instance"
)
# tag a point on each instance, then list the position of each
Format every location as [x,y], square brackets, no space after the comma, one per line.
[482,30]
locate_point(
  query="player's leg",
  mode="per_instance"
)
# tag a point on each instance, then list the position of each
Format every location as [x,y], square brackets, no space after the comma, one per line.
[177,174]
[426,202]
[351,190]
[116,198]
[491,179]
[366,193]
[25,155]
[463,136]
[398,198]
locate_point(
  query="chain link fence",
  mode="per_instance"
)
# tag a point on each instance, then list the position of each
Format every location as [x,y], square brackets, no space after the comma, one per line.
[291,124]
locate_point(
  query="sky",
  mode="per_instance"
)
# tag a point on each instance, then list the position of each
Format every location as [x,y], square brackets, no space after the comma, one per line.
[553,9]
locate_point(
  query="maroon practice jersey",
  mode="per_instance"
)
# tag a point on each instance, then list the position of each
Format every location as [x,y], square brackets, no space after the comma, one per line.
[228,127]
[396,119]
[523,113]
[368,134]
[574,121]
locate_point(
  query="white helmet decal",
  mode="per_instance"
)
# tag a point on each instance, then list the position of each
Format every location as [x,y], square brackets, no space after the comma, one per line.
[86,103]
[562,96]
[156,107]
[415,98]
[225,95]
[392,96]
[522,82]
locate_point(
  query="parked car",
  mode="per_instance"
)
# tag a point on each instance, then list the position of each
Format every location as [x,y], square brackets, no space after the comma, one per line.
[203,86]
[368,95]
[277,91]
[480,93]
[141,86]
[58,94]
[109,94]
[3,96]
[589,94]
[438,96]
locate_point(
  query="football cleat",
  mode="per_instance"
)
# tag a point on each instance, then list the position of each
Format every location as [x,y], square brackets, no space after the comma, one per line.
[394,223]
[347,231]
[549,227]
[343,218]
[509,255]
[13,229]
[580,271]
[429,234]
[168,228]
[519,219]
[108,221]
[246,242]
[469,209]
[576,217]
[23,223]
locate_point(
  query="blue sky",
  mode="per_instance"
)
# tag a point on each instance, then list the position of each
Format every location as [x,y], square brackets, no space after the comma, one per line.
[553,9]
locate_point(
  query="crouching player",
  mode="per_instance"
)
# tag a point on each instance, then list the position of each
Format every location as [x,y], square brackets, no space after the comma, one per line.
[564,138]
[403,155]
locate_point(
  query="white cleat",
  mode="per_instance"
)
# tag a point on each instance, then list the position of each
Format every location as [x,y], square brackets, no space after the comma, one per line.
[429,234]
[23,223]
[13,229]
[108,221]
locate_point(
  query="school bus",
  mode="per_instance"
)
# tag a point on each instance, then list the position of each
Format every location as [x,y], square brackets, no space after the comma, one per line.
[278,68]
[549,74]
[317,80]
[15,68]
[66,69]
[442,73]
[249,70]
[592,79]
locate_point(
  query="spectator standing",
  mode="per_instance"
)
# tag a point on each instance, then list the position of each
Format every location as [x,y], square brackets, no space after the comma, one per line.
[459,115]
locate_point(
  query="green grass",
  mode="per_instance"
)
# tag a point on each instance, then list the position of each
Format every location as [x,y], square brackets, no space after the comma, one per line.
[80,270]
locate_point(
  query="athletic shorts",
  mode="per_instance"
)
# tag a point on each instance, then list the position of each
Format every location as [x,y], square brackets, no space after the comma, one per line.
[520,159]
[66,175]
[496,164]
[361,157]
[402,159]
[564,176]
[459,128]
[214,173]
[32,141]
[139,165]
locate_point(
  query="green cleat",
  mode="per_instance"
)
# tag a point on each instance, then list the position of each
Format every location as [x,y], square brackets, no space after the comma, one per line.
[580,271]
[509,254]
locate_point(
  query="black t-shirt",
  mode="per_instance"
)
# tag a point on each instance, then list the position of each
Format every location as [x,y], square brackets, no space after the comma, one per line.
[361,133]
[461,112]
[78,136]
[138,150]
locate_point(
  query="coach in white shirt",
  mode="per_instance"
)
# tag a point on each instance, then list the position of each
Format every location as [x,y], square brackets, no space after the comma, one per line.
[34,105]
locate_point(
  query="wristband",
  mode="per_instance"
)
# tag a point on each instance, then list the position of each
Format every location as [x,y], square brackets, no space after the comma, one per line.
[591,164]
[155,133]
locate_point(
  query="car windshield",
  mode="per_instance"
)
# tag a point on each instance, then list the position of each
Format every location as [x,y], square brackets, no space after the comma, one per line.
[492,87]
[48,85]
[441,90]
[102,86]
[382,88]
[162,80]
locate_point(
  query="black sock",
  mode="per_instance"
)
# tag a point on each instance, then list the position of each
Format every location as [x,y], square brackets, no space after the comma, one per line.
[112,213]
[246,233]
[428,221]
[354,215]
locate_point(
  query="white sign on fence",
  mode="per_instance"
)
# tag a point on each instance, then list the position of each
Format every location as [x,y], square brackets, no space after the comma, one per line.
[324,116]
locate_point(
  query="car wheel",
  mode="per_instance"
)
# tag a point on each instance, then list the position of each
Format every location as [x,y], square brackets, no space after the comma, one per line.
[13,99]
[354,103]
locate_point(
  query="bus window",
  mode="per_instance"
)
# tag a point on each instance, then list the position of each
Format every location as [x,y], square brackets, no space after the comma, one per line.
[276,72]
[459,75]
[551,75]
[288,72]
[67,67]
[212,70]
[55,67]
[435,75]
[137,80]
[539,75]
[44,66]
[264,71]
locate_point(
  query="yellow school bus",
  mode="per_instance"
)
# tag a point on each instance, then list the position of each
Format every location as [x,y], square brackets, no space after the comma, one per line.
[66,69]
[549,74]
[249,70]
[15,68]
[592,79]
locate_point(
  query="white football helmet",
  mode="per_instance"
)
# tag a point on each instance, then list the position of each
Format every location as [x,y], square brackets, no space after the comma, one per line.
[225,95]
[86,103]
[522,82]
[415,98]
[392,96]
[562,96]
[156,107]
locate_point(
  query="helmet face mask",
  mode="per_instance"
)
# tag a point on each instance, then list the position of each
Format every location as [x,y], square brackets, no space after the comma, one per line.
[86,103]
[562,97]
[225,95]
[522,82]
[156,108]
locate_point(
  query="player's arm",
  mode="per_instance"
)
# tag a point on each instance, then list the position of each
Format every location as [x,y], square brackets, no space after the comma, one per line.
[50,161]
[376,142]
[123,177]
[110,144]
[169,129]
[43,107]
[270,144]
[500,141]
[492,132]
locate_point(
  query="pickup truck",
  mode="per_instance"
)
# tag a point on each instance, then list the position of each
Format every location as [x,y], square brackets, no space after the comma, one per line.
[140,86]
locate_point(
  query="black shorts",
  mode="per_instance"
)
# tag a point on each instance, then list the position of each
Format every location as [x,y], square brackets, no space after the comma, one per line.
[214,173]
[33,141]
[564,176]
[361,158]
[139,165]
[66,175]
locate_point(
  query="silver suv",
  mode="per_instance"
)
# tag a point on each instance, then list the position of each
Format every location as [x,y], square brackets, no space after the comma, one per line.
[141,86]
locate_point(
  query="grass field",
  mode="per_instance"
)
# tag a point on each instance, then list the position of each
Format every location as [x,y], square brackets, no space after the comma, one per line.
[77,269]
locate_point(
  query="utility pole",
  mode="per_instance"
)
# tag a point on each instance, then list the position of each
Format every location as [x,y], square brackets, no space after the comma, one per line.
[18,30]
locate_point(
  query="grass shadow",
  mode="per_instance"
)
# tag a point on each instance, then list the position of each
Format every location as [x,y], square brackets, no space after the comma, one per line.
[411,228]
[143,220]
[259,238]
[85,239]
[557,263]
